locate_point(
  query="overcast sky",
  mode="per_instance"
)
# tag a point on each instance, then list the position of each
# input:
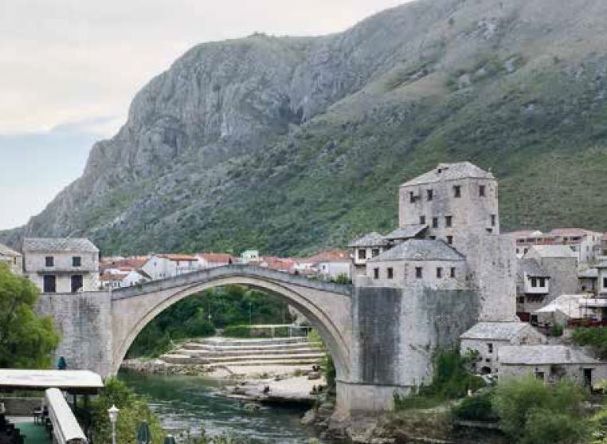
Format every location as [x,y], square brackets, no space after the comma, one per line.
[69,69]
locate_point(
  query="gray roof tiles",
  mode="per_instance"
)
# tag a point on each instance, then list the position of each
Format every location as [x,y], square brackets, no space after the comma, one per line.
[450,171]
[543,355]
[552,251]
[532,268]
[504,331]
[6,251]
[420,250]
[373,239]
[406,232]
[48,245]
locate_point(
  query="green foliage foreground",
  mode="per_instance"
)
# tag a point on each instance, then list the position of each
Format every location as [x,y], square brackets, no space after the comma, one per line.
[26,339]
[133,410]
[451,380]
[593,337]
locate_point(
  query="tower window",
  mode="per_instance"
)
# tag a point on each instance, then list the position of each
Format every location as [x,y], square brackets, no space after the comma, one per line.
[439,272]
[452,272]
[411,197]
[376,273]
[493,220]
[448,221]
[419,272]
[435,222]
[457,191]
[390,273]
[430,194]
[481,190]
[422,220]
[450,240]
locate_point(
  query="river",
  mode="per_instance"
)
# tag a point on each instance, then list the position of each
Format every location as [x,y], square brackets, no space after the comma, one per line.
[191,403]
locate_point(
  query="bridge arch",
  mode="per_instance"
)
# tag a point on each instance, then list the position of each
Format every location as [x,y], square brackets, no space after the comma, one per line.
[326,306]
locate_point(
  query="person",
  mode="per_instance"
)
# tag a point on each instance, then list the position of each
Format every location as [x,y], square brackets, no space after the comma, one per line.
[61,364]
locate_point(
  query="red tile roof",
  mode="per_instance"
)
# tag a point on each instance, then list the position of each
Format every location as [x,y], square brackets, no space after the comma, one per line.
[334,255]
[218,258]
[179,257]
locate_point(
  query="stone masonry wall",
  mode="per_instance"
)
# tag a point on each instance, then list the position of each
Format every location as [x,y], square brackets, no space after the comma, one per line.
[84,321]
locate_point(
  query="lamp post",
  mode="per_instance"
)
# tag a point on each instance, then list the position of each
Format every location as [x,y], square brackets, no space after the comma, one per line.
[113,413]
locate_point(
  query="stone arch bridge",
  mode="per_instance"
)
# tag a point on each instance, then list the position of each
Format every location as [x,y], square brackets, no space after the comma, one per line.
[379,343]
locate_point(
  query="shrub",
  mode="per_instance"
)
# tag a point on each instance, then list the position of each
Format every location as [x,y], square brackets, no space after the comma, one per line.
[556,330]
[133,410]
[525,407]
[476,408]
[593,337]
[237,331]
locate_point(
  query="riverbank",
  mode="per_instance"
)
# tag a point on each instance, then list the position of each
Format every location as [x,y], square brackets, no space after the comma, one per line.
[284,370]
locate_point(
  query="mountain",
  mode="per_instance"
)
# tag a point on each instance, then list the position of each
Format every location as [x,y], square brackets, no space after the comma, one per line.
[292,144]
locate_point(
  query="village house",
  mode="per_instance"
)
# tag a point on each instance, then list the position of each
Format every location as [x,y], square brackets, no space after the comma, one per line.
[551,363]
[331,264]
[214,260]
[12,258]
[544,273]
[164,266]
[562,310]
[365,248]
[486,338]
[61,265]
[286,265]
[585,244]
[588,280]
[249,256]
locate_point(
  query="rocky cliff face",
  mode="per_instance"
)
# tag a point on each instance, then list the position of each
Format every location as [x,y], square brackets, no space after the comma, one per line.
[287,144]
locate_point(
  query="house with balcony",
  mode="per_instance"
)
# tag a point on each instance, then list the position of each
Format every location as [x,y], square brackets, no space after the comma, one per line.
[61,265]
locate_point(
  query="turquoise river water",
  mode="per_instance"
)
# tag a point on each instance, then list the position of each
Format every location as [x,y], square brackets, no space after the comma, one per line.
[190,403]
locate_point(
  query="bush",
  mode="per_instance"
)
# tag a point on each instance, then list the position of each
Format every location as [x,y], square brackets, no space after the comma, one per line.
[556,330]
[593,337]
[451,380]
[237,331]
[528,408]
[133,410]
[476,408]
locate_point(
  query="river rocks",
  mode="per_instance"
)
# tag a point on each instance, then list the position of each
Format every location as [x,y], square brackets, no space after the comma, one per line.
[251,407]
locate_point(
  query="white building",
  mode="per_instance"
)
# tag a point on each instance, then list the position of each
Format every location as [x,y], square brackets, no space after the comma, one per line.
[249,256]
[551,363]
[12,258]
[164,266]
[331,264]
[61,265]
[214,260]
[114,279]
[585,244]
[486,339]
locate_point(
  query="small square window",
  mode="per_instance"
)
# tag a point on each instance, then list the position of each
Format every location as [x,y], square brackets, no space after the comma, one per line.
[419,272]
[375,252]
[439,273]
[390,273]
[362,254]
[76,261]
[435,222]
[448,221]
[450,240]
[49,261]
[452,272]
[457,191]
[422,220]
[430,194]
[376,273]
[481,190]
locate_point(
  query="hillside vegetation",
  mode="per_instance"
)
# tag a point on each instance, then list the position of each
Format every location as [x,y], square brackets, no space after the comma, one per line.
[292,144]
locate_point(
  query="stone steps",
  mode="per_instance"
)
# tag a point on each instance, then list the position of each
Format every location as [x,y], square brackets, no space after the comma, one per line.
[225,352]
[249,351]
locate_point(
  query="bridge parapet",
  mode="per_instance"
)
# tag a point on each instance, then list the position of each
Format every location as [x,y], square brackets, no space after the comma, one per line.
[243,270]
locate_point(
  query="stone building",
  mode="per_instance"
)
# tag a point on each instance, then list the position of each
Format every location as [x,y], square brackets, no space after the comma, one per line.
[532,287]
[445,268]
[551,363]
[585,244]
[62,265]
[12,258]
[486,338]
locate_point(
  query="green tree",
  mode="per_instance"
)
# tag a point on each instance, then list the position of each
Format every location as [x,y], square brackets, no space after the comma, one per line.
[592,337]
[133,410]
[26,339]
[533,412]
